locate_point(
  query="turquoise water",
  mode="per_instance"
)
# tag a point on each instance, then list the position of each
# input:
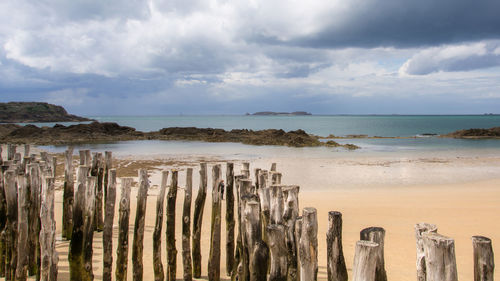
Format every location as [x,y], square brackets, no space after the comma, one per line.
[386,126]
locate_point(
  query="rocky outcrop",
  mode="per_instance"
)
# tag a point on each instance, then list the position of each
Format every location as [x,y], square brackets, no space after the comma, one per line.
[475,133]
[32,112]
[101,132]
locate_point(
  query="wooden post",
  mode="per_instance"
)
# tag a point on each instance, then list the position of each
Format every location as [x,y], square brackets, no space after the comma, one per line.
[256,173]
[237,272]
[171,249]
[265,207]
[76,252]
[11,227]
[421,228]
[98,171]
[199,205]
[440,260]
[123,222]
[11,151]
[298,234]
[3,219]
[68,194]
[245,170]
[259,262]
[230,223]
[34,224]
[26,150]
[138,243]
[365,261]
[215,230]
[258,252]
[279,253]
[308,256]
[186,229]
[273,167]
[22,227]
[88,157]
[160,199]
[108,165]
[337,270]
[290,214]
[88,227]
[275,178]
[484,264]
[49,255]
[107,235]
[276,204]
[377,235]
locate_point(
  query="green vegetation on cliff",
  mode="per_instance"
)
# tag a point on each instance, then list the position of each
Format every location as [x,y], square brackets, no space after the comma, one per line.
[31,112]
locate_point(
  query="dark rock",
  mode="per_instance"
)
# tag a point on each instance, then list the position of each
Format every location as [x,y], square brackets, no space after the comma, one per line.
[32,112]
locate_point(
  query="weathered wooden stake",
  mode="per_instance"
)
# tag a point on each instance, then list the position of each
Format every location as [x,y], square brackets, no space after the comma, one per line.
[308,255]
[275,178]
[138,243]
[26,150]
[11,227]
[186,229]
[230,223]
[365,261]
[237,272]
[199,205]
[336,267]
[421,228]
[257,173]
[107,235]
[68,194]
[11,151]
[245,170]
[97,171]
[273,167]
[215,230]
[22,227]
[88,226]
[108,165]
[279,253]
[377,235]
[484,264]
[258,251]
[3,219]
[76,252]
[123,222]
[276,204]
[171,249]
[440,260]
[160,199]
[49,255]
[290,214]
[34,219]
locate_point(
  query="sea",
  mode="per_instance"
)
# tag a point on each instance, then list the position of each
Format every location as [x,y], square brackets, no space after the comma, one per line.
[413,133]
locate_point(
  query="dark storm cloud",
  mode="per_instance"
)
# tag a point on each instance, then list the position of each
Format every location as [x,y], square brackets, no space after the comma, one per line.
[402,24]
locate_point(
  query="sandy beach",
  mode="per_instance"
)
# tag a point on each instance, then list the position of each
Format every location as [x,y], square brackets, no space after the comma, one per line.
[393,193]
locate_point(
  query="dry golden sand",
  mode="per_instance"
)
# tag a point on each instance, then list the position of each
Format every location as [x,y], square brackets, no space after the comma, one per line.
[460,210]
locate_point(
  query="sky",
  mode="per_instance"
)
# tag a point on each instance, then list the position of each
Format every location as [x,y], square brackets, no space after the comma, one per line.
[157,57]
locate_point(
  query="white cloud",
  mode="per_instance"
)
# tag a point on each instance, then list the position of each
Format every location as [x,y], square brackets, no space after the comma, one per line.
[460,57]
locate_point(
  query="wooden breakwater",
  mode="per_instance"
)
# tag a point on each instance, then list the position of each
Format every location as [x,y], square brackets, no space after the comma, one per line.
[267,237]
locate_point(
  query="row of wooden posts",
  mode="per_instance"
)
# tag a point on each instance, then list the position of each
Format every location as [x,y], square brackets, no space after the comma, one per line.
[266,240]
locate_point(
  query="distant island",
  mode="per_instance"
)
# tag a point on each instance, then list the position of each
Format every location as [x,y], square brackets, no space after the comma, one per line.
[35,112]
[272,113]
